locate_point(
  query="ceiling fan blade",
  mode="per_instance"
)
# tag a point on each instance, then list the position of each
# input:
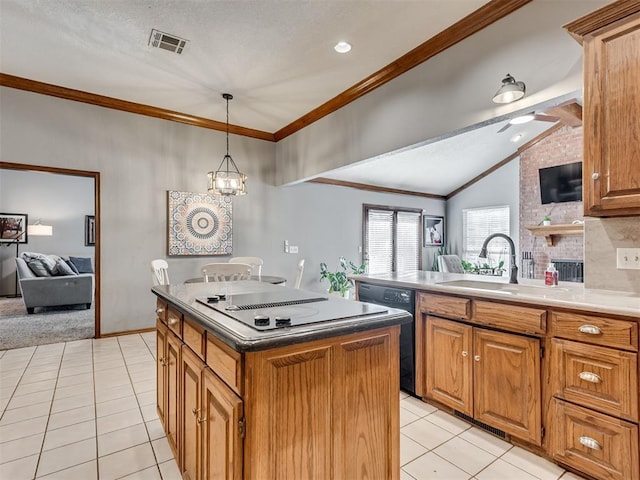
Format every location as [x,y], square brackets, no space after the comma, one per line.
[545,118]
[506,125]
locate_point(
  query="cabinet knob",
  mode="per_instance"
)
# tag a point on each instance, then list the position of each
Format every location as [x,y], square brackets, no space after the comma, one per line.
[173,321]
[591,443]
[476,358]
[159,310]
[590,329]
[590,377]
[464,354]
[162,361]
[595,175]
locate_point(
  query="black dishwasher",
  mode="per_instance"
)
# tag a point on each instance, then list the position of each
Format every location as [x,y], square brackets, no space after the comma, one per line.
[404,299]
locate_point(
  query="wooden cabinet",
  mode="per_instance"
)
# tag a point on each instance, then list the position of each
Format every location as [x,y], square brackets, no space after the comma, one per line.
[161,372]
[611,166]
[223,430]
[338,396]
[172,384]
[191,415]
[491,376]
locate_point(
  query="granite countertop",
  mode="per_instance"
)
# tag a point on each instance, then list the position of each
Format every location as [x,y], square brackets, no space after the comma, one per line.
[244,338]
[566,294]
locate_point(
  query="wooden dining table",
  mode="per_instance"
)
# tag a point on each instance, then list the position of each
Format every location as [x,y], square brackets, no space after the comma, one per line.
[276,280]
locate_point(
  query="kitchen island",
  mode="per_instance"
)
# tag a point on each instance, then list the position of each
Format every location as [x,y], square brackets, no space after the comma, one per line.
[552,369]
[310,391]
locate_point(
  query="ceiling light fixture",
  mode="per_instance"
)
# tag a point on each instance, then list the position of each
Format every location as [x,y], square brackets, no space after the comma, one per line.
[227,181]
[342,47]
[510,91]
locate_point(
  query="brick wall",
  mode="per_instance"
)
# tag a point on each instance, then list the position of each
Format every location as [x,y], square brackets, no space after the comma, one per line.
[561,147]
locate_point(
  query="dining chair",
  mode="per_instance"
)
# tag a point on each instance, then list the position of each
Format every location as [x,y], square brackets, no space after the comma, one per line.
[255,263]
[299,275]
[222,272]
[450,264]
[160,272]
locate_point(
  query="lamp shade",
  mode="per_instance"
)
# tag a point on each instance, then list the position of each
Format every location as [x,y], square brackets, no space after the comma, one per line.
[510,91]
[38,230]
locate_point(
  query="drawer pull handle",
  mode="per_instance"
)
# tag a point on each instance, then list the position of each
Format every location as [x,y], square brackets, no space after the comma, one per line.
[173,321]
[464,354]
[159,310]
[590,377]
[590,329]
[590,443]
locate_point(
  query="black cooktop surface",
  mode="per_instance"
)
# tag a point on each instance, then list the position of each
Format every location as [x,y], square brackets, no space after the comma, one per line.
[289,308]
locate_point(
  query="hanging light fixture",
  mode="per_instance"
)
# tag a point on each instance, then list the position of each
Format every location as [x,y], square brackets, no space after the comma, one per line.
[510,91]
[227,179]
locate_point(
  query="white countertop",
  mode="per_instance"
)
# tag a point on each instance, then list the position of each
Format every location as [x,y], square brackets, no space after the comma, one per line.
[566,294]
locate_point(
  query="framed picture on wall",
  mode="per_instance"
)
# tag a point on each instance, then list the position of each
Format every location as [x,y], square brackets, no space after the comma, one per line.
[13,228]
[89,230]
[433,230]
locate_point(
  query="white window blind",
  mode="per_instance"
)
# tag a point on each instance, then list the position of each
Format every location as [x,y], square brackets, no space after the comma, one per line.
[477,225]
[392,240]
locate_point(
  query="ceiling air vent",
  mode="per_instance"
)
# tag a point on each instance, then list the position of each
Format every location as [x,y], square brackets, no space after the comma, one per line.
[167,41]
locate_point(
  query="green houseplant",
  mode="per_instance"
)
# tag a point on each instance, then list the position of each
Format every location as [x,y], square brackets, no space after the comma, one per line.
[338,280]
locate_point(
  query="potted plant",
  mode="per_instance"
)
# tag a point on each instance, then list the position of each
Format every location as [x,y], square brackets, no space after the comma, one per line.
[339,283]
[546,220]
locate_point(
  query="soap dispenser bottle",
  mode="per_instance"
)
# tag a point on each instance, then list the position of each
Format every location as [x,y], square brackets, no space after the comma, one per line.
[551,275]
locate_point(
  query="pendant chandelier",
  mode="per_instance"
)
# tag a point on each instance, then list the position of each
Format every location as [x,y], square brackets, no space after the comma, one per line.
[227,179]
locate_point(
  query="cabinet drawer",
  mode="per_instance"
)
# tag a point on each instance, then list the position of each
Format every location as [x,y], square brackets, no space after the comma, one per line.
[161,311]
[603,446]
[597,330]
[174,320]
[510,317]
[596,377]
[446,306]
[194,336]
[225,362]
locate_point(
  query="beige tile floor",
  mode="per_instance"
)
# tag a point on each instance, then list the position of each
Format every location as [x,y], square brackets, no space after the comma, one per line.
[85,410]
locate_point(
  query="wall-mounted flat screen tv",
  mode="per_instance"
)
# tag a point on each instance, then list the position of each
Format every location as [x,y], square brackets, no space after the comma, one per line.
[562,183]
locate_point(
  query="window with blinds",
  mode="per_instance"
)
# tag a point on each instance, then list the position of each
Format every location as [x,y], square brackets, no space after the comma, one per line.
[392,239]
[477,225]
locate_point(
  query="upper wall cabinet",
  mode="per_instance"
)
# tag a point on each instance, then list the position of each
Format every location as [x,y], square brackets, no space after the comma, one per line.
[611,168]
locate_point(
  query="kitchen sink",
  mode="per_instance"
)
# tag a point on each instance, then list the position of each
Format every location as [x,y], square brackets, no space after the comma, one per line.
[508,288]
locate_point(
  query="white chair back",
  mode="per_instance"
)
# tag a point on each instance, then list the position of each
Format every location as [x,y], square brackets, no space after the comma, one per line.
[160,272]
[254,262]
[299,275]
[222,272]
[450,264]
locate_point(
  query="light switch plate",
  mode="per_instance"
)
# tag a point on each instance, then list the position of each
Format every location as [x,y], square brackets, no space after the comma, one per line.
[628,258]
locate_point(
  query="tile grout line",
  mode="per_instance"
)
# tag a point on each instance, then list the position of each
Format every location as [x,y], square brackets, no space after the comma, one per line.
[18,382]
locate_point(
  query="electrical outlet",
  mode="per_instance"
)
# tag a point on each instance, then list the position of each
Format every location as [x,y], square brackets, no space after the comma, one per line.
[628,258]
[286,246]
[293,249]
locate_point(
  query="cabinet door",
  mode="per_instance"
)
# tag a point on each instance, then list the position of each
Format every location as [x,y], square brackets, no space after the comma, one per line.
[222,430]
[161,370]
[507,383]
[611,168]
[191,414]
[449,365]
[171,422]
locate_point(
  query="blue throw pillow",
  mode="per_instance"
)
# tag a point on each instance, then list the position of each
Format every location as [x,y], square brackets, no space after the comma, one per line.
[83,264]
[71,266]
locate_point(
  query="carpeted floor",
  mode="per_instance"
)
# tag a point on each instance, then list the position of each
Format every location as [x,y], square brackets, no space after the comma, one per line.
[46,325]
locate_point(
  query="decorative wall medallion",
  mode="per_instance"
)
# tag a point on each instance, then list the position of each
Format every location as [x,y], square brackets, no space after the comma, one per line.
[199,224]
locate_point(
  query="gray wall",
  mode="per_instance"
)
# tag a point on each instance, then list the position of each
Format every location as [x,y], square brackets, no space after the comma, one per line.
[501,187]
[140,158]
[61,201]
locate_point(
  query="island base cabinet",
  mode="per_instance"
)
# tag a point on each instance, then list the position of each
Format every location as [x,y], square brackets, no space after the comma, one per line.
[172,386]
[599,445]
[191,415]
[339,395]
[161,372]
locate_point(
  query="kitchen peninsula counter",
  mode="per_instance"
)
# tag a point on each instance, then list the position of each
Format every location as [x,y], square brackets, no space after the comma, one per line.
[566,294]
[317,400]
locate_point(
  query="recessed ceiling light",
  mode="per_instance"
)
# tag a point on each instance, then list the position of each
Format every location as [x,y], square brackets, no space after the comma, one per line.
[516,138]
[522,119]
[342,47]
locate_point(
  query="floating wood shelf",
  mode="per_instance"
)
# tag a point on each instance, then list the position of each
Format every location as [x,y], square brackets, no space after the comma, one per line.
[551,231]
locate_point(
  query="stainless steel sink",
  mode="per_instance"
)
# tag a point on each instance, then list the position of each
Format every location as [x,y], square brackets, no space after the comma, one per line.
[507,288]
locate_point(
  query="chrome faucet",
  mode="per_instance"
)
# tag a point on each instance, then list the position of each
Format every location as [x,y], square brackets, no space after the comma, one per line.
[514,267]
